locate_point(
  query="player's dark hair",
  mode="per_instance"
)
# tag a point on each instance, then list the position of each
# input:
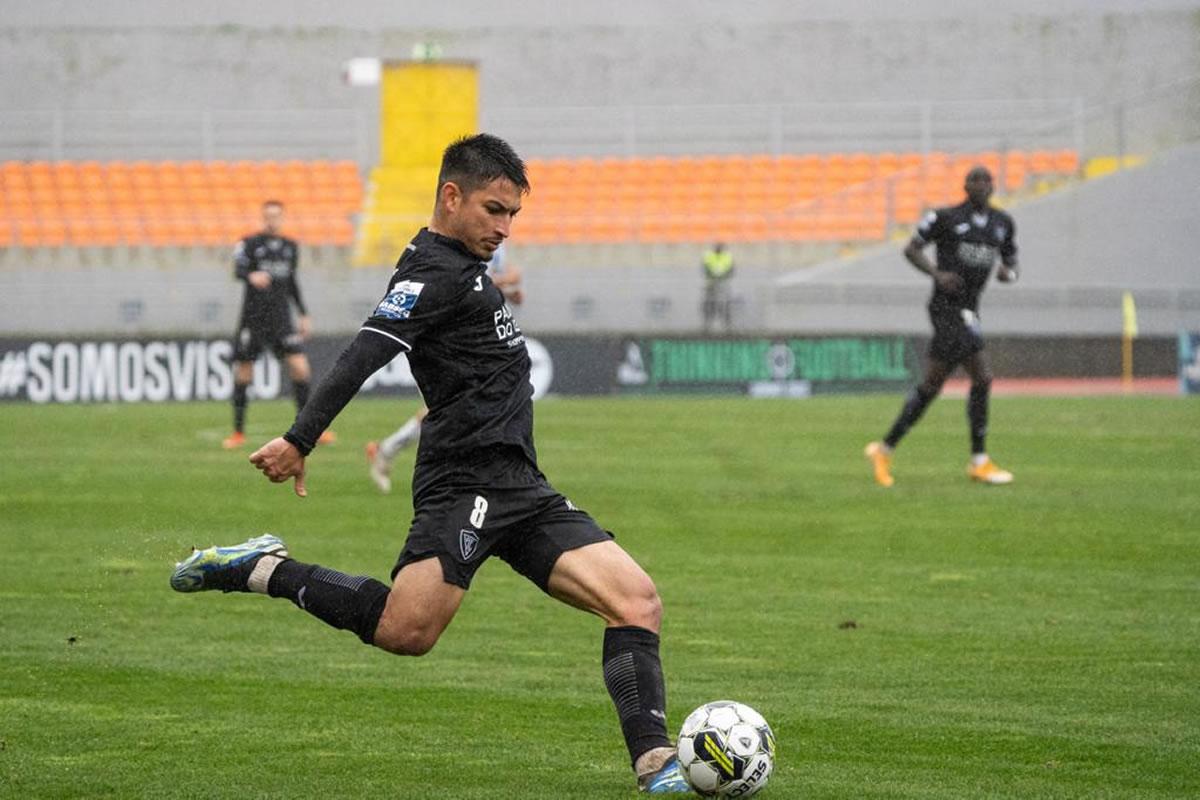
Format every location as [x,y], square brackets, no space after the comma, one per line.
[473,162]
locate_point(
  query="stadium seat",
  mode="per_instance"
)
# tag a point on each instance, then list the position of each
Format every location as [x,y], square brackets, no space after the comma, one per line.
[1040,162]
[1066,162]
[53,232]
[27,234]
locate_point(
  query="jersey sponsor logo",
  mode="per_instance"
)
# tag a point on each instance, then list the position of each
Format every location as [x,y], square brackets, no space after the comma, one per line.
[399,301]
[971,320]
[980,256]
[479,283]
[275,268]
[468,543]
[506,327]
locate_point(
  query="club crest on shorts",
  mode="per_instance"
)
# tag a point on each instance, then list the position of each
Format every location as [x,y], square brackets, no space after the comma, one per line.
[468,542]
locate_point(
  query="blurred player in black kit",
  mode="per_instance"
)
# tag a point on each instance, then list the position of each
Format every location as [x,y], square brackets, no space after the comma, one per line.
[477,490]
[267,263]
[968,238]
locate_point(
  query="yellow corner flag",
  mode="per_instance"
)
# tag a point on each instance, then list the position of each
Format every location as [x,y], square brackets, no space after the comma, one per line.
[1128,316]
[1128,333]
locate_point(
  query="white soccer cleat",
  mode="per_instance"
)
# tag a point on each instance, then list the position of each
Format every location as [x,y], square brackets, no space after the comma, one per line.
[377,469]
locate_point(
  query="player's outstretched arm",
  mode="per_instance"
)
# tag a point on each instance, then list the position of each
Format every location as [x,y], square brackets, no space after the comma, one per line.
[279,460]
[283,458]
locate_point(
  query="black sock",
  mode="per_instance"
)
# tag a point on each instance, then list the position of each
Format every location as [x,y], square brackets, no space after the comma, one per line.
[239,406]
[350,602]
[977,415]
[633,675]
[300,390]
[918,400]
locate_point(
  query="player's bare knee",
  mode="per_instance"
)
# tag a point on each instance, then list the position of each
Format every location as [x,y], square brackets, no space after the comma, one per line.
[406,641]
[642,607]
[299,371]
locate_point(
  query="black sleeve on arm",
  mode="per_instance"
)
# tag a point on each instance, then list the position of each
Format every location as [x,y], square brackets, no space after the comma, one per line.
[367,353]
[243,264]
[296,283]
[1008,249]
[296,296]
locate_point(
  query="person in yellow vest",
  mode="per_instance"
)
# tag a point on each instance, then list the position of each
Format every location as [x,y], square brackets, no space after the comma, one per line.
[718,269]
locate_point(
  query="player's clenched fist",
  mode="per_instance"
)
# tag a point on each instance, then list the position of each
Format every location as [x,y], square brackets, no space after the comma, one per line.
[279,460]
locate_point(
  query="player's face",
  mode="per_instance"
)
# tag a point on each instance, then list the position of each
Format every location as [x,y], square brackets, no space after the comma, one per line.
[483,219]
[979,187]
[272,219]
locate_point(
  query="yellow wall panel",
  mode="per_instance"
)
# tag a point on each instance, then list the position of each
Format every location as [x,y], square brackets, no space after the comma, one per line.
[424,107]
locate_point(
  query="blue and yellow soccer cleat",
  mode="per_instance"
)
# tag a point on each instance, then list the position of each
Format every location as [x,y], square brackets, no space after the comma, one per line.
[668,780]
[224,568]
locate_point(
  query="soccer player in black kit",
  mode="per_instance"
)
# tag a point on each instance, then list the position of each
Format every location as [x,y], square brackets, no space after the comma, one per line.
[267,263]
[477,490]
[968,238]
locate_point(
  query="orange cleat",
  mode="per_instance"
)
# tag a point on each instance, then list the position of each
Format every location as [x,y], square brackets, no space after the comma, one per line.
[988,472]
[880,457]
[328,437]
[234,440]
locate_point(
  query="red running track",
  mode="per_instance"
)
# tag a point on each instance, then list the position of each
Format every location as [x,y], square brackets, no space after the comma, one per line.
[1069,387]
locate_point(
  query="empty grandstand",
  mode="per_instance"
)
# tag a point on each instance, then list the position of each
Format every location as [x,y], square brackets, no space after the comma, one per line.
[632,177]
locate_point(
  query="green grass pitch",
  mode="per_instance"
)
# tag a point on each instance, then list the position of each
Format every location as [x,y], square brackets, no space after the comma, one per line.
[1034,641]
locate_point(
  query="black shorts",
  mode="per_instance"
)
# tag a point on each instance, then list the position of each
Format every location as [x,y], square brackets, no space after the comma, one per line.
[957,335]
[506,508]
[279,337]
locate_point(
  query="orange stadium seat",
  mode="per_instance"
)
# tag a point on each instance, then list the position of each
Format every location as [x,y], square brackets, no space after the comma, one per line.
[27,234]
[1066,162]
[1041,162]
[210,231]
[20,208]
[53,232]
[105,232]
[81,231]
[130,230]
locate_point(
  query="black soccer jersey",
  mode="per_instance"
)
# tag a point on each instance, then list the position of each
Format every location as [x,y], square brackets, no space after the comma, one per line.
[968,242]
[277,256]
[466,351]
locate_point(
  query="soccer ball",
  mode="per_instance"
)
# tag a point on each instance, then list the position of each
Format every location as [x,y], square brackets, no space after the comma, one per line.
[726,749]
